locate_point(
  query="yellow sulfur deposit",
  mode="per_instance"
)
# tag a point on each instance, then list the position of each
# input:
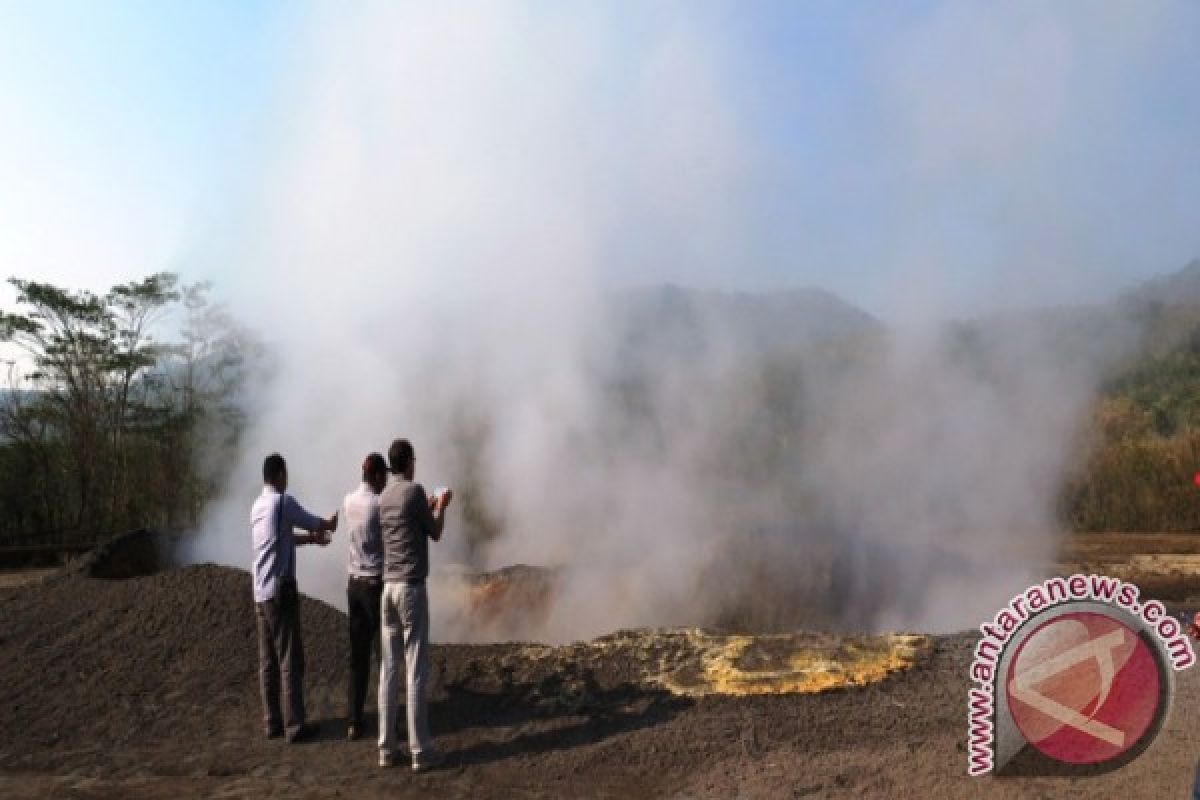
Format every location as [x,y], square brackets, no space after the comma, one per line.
[799,663]
[693,662]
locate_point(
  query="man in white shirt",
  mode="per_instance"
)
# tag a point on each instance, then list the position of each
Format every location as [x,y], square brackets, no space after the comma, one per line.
[277,599]
[365,584]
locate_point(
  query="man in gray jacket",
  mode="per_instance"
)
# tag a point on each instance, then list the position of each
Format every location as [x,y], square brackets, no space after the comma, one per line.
[408,519]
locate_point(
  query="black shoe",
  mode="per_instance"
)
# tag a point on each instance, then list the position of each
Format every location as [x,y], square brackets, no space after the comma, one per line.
[274,733]
[428,760]
[301,734]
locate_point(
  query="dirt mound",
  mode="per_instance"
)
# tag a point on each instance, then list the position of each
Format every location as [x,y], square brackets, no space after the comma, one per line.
[132,555]
[126,658]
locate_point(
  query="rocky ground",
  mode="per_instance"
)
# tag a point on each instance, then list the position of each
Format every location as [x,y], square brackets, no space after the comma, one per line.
[145,687]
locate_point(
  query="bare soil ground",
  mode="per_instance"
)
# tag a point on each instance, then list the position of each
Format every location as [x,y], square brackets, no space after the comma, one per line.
[146,688]
[1163,565]
[13,578]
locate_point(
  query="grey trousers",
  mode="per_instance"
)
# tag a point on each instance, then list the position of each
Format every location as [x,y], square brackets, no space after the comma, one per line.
[404,613]
[281,660]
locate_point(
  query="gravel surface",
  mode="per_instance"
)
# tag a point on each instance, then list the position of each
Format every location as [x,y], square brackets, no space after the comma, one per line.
[146,688]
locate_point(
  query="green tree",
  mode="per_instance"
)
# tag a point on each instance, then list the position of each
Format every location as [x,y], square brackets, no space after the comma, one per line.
[69,335]
[134,308]
[113,427]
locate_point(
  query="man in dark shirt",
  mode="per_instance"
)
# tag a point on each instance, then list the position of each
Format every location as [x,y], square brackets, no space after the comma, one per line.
[408,519]
[364,588]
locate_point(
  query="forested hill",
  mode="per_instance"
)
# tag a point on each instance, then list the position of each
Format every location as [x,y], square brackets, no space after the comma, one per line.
[1177,288]
[674,314]
[1140,449]
[1143,448]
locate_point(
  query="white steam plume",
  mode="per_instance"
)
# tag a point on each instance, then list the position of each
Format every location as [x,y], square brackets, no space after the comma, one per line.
[432,261]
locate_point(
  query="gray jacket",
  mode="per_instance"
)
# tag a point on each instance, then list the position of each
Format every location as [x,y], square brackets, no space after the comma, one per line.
[406,524]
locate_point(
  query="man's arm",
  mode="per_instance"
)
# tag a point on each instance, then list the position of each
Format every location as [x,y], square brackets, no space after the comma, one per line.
[439,505]
[430,512]
[298,516]
[316,537]
[439,522]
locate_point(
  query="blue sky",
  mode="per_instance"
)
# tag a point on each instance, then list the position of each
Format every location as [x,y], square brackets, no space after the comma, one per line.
[1014,153]
[122,122]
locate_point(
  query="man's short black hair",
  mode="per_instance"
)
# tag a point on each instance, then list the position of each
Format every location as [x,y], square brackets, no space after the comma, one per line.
[400,455]
[373,465]
[274,468]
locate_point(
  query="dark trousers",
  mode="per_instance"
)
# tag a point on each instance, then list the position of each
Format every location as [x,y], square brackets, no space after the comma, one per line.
[362,609]
[281,660]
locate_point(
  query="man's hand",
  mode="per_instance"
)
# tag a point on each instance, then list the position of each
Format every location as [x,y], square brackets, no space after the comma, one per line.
[438,502]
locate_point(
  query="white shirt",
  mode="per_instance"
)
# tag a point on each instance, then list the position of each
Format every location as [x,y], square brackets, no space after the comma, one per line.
[274,544]
[360,509]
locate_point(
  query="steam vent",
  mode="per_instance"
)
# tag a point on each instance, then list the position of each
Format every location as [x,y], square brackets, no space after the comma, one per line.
[694,662]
